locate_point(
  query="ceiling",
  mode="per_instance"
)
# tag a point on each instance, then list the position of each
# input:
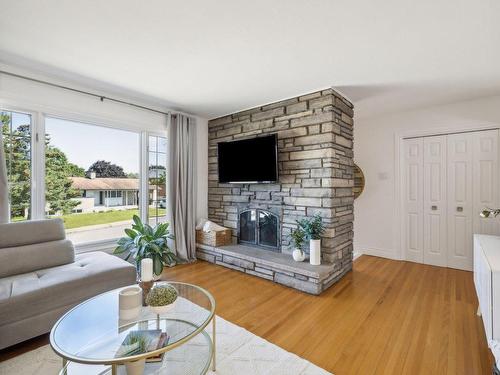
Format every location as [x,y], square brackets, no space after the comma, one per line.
[217,57]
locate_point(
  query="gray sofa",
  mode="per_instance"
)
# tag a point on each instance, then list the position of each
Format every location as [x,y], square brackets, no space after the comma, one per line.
[41,277]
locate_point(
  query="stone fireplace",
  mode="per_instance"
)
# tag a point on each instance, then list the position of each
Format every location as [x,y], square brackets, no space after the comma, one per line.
[315,163]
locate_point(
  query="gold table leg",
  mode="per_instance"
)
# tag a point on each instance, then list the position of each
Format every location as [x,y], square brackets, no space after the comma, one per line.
[65,362]
[213,343]
[113,369]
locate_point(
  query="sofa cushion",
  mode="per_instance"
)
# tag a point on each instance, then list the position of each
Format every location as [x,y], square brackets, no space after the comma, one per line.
[27,258]
[29,294]
[31,232]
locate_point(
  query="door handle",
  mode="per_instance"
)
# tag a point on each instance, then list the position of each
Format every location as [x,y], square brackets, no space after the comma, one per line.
[460,209]
[434,208]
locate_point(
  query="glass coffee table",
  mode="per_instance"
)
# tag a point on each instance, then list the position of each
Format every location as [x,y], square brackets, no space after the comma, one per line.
[89,336]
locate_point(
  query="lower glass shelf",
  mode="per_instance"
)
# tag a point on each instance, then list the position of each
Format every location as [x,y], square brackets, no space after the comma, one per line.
[191,358]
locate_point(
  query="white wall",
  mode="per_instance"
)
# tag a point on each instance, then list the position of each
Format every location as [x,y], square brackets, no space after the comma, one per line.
[376,223]
[22,95]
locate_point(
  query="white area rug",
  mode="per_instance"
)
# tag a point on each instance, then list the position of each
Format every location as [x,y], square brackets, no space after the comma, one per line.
[239,352]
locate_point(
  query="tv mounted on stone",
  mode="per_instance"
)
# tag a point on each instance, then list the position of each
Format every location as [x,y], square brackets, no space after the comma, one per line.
[248,161]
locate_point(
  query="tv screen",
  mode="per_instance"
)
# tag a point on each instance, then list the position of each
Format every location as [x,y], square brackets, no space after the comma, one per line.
[249,161]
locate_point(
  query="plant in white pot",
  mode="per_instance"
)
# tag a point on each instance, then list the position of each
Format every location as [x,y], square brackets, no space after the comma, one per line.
[314,229]
[160,299]
[144,241]
[298,237]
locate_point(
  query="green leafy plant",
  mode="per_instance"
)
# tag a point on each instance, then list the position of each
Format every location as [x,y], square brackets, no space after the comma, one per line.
[313,227]
[144,241]
[298,237]
[161,295]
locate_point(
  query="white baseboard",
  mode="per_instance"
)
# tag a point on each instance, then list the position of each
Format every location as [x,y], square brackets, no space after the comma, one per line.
[355,256]
[378,252]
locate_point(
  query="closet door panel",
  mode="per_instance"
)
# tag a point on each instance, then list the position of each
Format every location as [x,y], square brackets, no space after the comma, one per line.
[435,205]
[460,200]
[413,199]
[485,171]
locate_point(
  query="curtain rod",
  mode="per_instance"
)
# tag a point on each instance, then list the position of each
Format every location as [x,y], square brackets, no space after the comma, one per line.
[101,97]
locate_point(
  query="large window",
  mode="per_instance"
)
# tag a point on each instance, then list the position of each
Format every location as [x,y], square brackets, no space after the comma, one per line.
[94,176]
[16,133]
[91,179]
[157,162]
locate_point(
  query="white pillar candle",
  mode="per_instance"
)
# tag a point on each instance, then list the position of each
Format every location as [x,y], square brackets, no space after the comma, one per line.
[146,269]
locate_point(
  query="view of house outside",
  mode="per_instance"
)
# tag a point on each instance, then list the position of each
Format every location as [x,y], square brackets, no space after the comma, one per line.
[91,176]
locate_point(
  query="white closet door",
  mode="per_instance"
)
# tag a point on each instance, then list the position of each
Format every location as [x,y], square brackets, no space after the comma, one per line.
[435,204]
[460,200]
[485,186]
[413,199]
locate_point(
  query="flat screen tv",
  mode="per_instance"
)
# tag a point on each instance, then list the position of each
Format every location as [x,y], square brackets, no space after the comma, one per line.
[249,160]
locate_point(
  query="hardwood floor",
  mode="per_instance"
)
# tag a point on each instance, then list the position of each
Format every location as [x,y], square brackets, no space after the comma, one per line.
[385,317]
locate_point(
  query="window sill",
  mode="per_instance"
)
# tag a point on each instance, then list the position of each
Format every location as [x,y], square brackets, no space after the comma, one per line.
[106,246]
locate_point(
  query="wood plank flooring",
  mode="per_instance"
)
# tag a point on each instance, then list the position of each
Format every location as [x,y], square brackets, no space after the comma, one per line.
[385,317]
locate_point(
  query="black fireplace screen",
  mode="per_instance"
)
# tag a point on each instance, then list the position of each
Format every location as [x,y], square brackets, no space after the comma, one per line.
[259,227]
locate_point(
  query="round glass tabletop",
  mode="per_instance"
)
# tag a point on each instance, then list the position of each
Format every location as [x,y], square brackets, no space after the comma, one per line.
[92,333]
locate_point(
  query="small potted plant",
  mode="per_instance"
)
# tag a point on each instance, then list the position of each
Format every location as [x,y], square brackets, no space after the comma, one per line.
[314,229]
[161,298]
[298,237]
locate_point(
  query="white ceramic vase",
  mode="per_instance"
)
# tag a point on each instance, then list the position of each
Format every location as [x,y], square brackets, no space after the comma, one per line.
[315,252]
[160,310]
[298,255]
[135,367]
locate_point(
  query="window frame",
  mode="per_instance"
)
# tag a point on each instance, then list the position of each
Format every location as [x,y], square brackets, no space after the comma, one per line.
[35,202]
[146,168]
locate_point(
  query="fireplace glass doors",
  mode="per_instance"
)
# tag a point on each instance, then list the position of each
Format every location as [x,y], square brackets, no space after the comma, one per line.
[260,228]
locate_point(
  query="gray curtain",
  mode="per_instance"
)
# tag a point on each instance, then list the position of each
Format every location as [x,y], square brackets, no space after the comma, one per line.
[181,184]
[4,190]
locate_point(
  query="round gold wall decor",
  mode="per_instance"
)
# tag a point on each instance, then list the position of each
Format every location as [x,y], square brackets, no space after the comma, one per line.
[359,181]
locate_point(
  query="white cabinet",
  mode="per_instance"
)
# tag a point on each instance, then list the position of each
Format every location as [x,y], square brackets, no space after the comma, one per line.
[487,283]
[447,181]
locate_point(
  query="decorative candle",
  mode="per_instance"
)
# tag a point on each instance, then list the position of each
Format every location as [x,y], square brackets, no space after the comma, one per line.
[129,302]
[146,269]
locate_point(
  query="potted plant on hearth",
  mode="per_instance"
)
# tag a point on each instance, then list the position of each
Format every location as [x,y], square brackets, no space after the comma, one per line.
[298,237]
[314,229]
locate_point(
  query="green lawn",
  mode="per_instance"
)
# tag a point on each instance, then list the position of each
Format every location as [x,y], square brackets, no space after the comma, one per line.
[94,218]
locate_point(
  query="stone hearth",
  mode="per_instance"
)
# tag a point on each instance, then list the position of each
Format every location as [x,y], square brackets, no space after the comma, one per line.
[280,268]
[315,141]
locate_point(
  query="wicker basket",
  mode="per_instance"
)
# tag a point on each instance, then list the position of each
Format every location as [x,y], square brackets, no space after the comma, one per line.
[219,238]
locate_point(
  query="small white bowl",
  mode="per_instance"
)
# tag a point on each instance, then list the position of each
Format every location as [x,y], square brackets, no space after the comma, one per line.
[162,309]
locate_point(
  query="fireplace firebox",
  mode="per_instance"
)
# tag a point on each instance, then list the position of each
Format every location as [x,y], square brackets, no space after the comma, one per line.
[260,228]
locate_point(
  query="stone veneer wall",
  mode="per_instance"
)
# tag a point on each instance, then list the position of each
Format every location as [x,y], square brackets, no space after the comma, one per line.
[315,143]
